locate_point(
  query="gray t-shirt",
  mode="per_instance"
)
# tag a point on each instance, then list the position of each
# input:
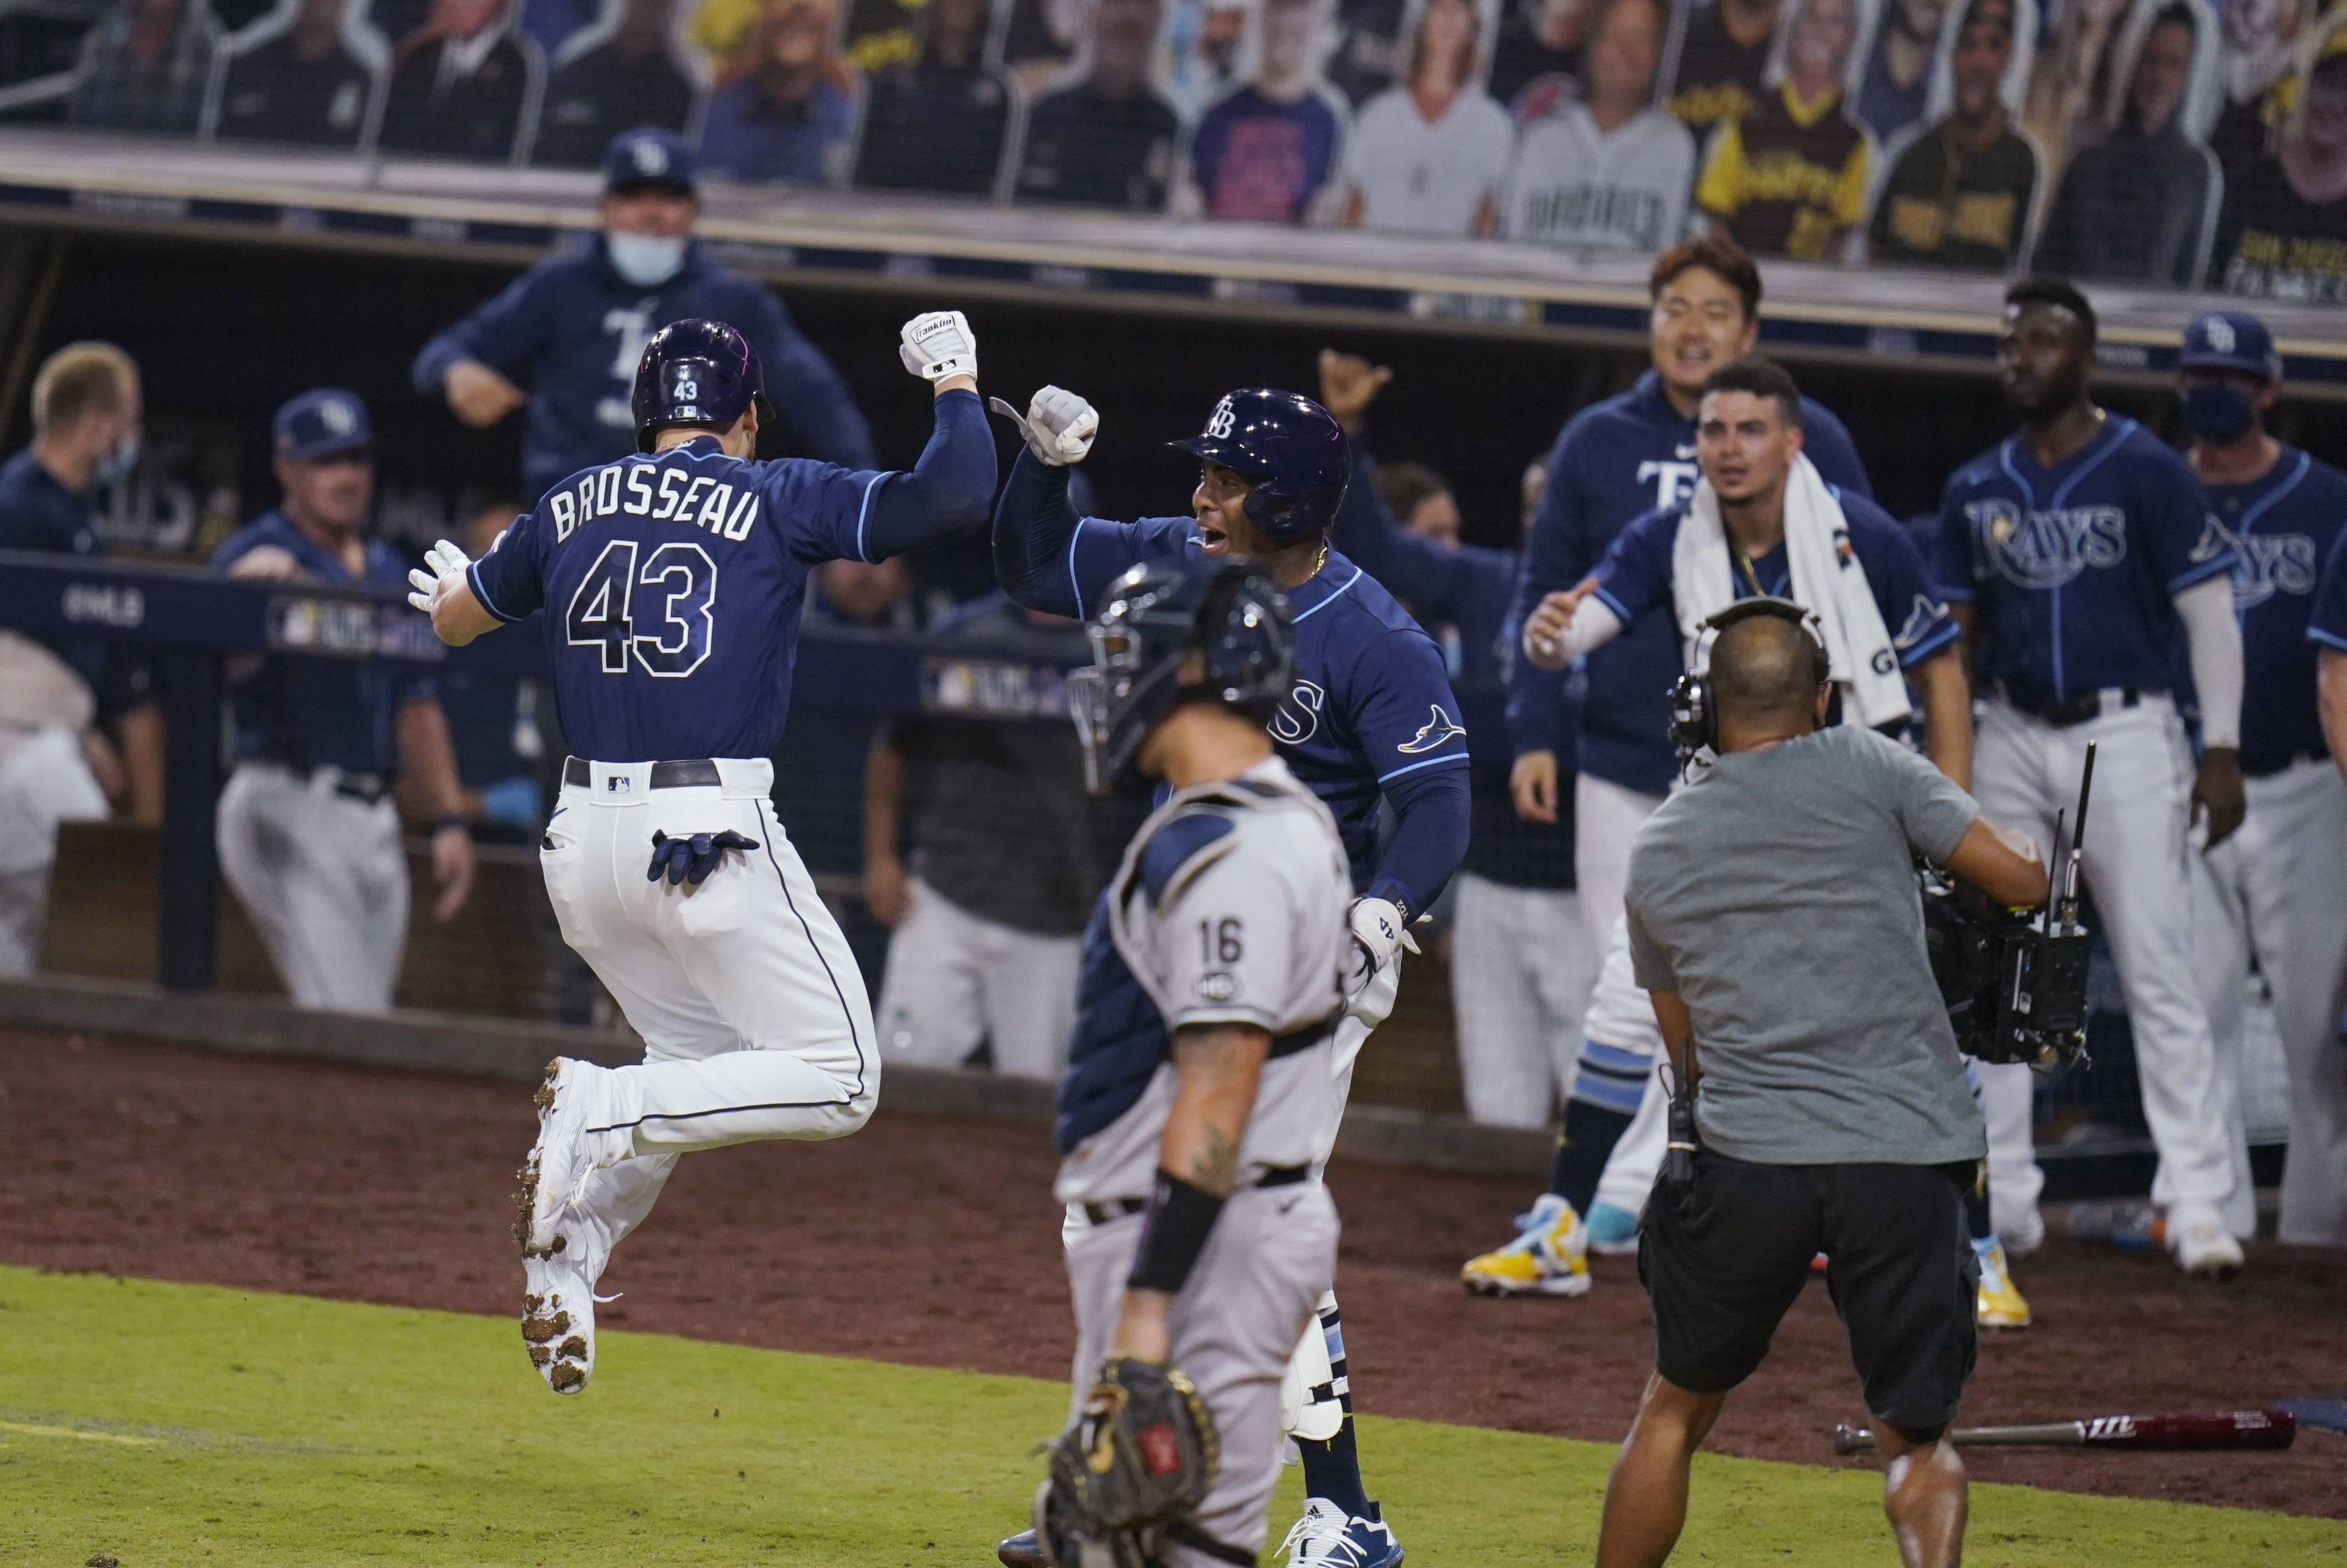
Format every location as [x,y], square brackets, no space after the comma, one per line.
[1777,895]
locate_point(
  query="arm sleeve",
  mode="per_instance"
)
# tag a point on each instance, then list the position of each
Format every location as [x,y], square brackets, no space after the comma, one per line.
[1635,574]
[1551,560]
[1406,727]
[808,390]
[1951,565]
[2327,625]
[2213,634]
[2170,517]
[505,335]
[1050,559]
[1650,966]
[1439,582]
[510,580]
[840,514]
[1431,815]
[1228,947]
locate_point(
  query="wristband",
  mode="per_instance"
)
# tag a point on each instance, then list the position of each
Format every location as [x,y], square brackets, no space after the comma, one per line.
[441,824]
[1173,1234]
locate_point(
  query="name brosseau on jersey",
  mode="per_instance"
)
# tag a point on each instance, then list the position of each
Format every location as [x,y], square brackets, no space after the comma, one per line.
[629,489]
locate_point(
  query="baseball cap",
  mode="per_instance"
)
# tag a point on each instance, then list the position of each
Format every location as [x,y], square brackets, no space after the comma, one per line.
[648,155]
[320,421]
[2229,340]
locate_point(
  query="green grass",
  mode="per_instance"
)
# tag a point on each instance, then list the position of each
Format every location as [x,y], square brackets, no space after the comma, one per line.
[179,1424]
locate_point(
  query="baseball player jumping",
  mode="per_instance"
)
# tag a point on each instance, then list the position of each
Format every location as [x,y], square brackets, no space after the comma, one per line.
[1370,718]
[1202,1088]
[2077,554]
[667,867]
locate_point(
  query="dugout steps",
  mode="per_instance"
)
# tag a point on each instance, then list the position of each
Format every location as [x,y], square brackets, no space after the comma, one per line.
[423,1041]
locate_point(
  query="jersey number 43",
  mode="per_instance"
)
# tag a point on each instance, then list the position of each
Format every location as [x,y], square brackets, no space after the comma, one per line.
[678,580]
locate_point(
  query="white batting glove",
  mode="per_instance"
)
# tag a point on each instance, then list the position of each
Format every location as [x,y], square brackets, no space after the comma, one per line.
[442,573]
[1058,427]
[938,345]
[1379,939]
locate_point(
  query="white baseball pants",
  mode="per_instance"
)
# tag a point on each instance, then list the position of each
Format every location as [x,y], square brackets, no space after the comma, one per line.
[324,879]
[1520,975]
[1235,1324]
[2138,867]
[754,1018]
[1618,1023]
[955,978]
[1605,817]
[2276,891]
[44,779]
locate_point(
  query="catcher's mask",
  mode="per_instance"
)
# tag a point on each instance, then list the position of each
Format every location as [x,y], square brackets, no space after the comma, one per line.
[1150,620]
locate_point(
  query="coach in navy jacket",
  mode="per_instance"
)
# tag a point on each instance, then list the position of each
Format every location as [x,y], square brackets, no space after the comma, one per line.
[573,326]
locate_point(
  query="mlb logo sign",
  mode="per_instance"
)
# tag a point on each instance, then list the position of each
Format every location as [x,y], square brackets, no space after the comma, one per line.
[620,783]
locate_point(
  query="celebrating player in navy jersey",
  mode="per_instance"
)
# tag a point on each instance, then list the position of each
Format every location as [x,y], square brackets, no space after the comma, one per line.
[573,328]
[754,1020]
[1372,718]
[2075,555]
[1613,461]
[2262,894]
[2326,628]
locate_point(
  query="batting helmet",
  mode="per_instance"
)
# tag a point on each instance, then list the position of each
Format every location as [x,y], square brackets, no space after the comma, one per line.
[1151,619]
[696,373]
[1292,449]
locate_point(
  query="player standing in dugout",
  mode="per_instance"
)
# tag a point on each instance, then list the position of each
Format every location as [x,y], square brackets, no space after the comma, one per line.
[1368,722]
[1775,921]
[669,871]
[573,328]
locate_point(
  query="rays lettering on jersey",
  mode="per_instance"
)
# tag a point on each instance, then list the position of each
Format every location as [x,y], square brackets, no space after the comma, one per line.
[1297,719]
[2045,549]
[2271,564]
[698,500]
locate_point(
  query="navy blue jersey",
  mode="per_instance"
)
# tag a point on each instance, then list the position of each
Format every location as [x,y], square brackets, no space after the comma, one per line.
[2072,570]
[1371,714]
[2326,620]
[1635,578]
[38,513]
[1613,461]
[2283,524]
[672,583]
[316,713]
[572,330]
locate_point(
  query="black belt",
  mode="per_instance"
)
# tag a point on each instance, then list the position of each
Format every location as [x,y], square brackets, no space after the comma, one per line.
[2265,767]
[2061,713]
[1306,1038]
[1122,1208]
[699,774]
[367,788]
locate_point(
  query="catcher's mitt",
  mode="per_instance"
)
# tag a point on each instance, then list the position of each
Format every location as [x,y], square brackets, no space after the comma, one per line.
[1129,1471]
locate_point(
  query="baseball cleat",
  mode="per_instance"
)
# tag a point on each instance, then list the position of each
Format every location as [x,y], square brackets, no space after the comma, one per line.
[558,1319]
[1024,1550]
[557,1167]
[2203,1246]
[1550,1257]
[1613,1231]
[2000,1303]
[1327,1537]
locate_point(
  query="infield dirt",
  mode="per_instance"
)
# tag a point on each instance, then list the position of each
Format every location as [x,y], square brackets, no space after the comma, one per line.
[934,1241]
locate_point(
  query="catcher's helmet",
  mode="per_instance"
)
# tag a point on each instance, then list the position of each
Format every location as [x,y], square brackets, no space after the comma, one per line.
[696,373]
[1292,449]
[1150,620]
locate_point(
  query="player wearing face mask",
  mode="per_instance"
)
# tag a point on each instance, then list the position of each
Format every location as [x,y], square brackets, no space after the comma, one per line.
[571,329]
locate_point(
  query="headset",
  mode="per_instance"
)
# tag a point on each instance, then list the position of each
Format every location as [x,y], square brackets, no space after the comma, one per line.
[1694,711]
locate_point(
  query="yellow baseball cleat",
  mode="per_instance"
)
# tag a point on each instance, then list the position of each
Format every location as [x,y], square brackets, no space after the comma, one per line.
[1550,1256]
[2000,1304]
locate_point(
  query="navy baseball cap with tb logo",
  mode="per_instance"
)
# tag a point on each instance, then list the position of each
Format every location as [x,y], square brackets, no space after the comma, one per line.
[648,155]
[322,422]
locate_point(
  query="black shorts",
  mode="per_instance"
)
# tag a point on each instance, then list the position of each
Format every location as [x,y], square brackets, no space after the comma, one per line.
[1724,1259]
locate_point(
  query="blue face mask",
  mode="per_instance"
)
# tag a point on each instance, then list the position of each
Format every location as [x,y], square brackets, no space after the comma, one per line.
[120,464]
[647,260]
[2217,410]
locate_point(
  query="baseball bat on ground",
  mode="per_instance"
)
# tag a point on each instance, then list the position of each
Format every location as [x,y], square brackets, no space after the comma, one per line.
[2224,1429]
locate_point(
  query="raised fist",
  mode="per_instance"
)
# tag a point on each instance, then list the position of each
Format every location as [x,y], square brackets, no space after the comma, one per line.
[939,347]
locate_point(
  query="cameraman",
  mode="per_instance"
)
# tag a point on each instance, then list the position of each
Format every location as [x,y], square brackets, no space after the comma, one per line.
[1774,916]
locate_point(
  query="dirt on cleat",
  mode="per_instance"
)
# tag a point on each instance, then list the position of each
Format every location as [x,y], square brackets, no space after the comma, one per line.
[568,1378]
[538,1330]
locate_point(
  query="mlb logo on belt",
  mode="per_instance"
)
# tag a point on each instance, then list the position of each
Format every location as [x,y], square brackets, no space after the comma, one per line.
[620,783]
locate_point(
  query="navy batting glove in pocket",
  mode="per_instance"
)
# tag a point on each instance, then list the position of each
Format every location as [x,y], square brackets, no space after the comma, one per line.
[692,859]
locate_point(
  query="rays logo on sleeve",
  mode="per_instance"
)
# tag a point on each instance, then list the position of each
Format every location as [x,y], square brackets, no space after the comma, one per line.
[1922,618]
[2041,549]
[1433,734]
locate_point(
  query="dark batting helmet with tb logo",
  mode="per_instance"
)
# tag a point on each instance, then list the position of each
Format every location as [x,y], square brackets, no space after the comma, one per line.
[1291,447]
[696,372]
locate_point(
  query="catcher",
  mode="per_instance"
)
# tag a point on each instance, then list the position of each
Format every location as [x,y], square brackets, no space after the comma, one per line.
[1200,1084]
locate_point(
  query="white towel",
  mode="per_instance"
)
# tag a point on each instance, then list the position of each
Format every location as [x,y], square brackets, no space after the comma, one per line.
[1827,581]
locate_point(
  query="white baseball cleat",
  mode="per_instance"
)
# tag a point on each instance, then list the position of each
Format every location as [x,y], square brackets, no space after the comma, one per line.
[558,1319]
[1328,1537]
[2203,1246]
[557,1167]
